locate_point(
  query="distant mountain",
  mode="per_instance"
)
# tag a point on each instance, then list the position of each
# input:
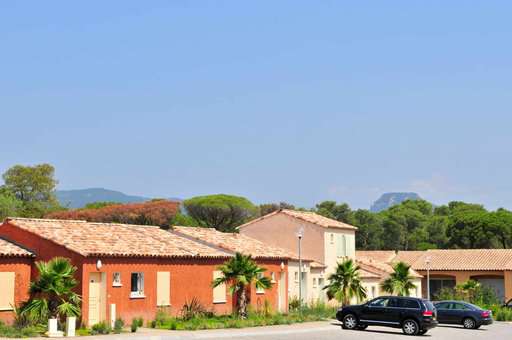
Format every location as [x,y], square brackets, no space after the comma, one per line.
[79,198]
[390,199]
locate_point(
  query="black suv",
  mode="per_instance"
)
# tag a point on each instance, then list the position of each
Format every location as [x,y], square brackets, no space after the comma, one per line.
[415,316]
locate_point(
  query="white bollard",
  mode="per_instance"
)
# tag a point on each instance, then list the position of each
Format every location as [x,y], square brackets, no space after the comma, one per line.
[70,326]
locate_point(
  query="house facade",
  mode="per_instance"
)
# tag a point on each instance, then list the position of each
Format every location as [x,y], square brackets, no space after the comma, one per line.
[15,266]
[325,241]
[450,267]
[128,271]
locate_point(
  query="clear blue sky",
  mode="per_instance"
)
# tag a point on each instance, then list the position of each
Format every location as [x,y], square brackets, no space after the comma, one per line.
[298,101]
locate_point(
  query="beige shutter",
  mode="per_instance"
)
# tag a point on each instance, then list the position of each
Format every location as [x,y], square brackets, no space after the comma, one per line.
[7,287]
[163,288]
[219,292]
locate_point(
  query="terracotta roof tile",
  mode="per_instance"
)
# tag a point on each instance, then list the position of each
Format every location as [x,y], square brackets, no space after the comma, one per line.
[307,216]
[465,259]
[234,242]
[382,268]
[118,240]
[9,249]
[377,255]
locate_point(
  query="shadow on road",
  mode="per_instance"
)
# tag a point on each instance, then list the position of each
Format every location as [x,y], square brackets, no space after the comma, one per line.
[461,327]
[370,330]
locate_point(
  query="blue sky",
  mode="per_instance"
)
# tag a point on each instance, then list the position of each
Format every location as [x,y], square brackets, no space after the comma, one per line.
[299,101]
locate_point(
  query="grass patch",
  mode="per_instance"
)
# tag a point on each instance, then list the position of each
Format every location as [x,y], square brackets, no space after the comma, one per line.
[7,331]
[317,312]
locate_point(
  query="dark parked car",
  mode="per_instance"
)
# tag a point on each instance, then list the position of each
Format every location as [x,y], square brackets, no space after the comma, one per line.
[462,313]
[415,316]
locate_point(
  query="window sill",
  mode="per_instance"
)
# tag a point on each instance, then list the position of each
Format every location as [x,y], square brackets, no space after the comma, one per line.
[260,293]
[117,285]
[166,305]
[219,302]
[3,309]
[137,296]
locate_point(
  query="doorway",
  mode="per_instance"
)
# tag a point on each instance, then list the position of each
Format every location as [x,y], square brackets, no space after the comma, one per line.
[282,292]
[96,298]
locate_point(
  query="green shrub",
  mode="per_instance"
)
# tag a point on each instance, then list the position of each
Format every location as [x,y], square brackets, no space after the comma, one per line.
[100,328]
[83,332]
[136,323]
[118,326]
[294,304]
[7,331]
[193,309]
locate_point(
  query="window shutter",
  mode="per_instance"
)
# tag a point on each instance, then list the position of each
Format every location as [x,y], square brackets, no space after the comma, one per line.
[340,244]
[163,288]
[7,295]
[219,292]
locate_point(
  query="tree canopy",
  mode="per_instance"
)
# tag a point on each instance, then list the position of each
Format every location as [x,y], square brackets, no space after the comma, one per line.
[33,187]
[222,212]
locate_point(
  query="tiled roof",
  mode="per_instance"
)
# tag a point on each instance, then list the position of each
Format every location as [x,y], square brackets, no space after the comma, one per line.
[447,259]
[377,255]
[307,216]
[465,259]
[234,242]
[409,256]
[382,268]
[118,240]
[8,249]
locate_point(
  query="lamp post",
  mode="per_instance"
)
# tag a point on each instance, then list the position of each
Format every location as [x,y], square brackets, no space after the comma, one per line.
[427,262]
[300,235]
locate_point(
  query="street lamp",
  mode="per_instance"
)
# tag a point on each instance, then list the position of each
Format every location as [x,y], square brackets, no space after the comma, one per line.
[300,235]
[428,259]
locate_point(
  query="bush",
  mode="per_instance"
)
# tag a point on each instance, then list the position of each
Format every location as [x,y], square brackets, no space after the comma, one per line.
[470,291]
[501,313]
[100,328]
[118,326]
[294,304]
[7,331]
[193,309]
[136,323]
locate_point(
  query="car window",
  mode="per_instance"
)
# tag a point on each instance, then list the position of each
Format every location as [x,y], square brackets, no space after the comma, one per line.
[382,302]
[459,306]
[408,303]
[428,304]
[443,305]
[393,303]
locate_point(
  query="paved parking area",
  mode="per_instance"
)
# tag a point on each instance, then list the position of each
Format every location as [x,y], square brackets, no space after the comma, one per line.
[319,331]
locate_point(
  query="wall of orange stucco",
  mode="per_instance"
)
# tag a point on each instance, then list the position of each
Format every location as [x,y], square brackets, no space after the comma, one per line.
[21,267]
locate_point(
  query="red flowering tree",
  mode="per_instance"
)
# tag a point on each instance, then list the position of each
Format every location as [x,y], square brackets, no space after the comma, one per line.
[158,212]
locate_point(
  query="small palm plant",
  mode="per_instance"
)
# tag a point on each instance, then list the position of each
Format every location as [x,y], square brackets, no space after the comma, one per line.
[52,295]
[345,283]
[399,282]
[240,272]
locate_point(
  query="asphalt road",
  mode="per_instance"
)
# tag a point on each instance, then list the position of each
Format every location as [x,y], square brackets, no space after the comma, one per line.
[320,331]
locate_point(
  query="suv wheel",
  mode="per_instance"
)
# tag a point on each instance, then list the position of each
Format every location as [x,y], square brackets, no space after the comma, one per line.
[410,327]
[469,323]
[350,321]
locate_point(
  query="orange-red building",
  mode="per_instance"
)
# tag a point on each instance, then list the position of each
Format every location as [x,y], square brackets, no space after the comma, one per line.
[15,264]
[128,271]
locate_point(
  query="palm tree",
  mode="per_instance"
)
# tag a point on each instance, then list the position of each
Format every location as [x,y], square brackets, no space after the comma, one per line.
[52,295]
[399,282]
[345,284]
[239,273]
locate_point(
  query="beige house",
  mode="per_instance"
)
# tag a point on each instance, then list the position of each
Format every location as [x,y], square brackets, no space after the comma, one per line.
[450,267]
[326,242]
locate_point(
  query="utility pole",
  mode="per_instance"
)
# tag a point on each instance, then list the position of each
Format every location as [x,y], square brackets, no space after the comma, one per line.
[300,235]
[427,262]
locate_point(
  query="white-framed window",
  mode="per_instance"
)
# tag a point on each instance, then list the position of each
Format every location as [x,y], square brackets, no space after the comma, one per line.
[7,286]
[314,282]
[219,292]
[296,276]
[332,238]
[272,277]
[374,293]
[116,279]
[137,285]
[260,290]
